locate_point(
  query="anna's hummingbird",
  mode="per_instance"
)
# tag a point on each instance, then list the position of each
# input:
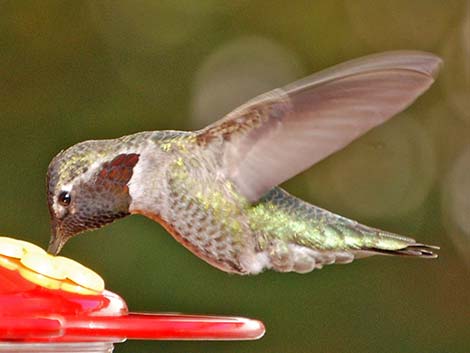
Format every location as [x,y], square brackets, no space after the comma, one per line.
[215,190]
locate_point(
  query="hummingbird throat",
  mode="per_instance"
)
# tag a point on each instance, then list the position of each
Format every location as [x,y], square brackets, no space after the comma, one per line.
[119,171]
[109,190]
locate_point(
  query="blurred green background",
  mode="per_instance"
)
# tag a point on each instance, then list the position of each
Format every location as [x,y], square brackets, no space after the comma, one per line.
[77,70]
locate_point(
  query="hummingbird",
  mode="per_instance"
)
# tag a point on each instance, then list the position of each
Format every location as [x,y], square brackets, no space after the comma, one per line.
[215,190]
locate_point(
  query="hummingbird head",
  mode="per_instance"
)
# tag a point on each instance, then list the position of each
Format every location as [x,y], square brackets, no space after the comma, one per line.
[87,188]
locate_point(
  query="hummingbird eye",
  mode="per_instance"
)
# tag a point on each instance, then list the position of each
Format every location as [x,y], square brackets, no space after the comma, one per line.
[65,198]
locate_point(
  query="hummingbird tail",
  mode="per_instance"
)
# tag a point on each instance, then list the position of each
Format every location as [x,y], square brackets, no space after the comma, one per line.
[300,237]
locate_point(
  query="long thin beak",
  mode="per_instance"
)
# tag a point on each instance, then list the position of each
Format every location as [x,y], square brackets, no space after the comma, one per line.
[56,242]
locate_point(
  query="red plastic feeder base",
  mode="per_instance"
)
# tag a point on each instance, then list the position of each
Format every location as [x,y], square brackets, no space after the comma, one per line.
[34,318]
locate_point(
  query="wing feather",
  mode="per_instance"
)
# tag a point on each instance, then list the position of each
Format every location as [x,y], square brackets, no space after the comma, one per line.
[283,132]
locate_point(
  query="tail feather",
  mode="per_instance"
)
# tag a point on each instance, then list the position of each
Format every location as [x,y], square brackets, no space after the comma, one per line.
[414,250]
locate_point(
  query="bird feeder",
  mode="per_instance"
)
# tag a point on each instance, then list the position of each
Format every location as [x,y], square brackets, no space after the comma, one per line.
[54,304]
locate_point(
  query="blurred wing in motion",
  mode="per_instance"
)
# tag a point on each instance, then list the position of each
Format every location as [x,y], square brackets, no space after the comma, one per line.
[283,132]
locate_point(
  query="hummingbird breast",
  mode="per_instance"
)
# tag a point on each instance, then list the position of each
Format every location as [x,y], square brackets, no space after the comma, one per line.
[205,214]
[180,186]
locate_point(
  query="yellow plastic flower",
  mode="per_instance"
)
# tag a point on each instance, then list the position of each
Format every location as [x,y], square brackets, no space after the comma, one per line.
[52,272]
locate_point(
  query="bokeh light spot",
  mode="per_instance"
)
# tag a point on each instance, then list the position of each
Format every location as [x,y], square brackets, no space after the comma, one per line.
[238,71]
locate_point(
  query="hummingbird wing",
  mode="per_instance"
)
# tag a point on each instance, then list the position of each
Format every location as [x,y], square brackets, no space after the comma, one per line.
[283,132]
